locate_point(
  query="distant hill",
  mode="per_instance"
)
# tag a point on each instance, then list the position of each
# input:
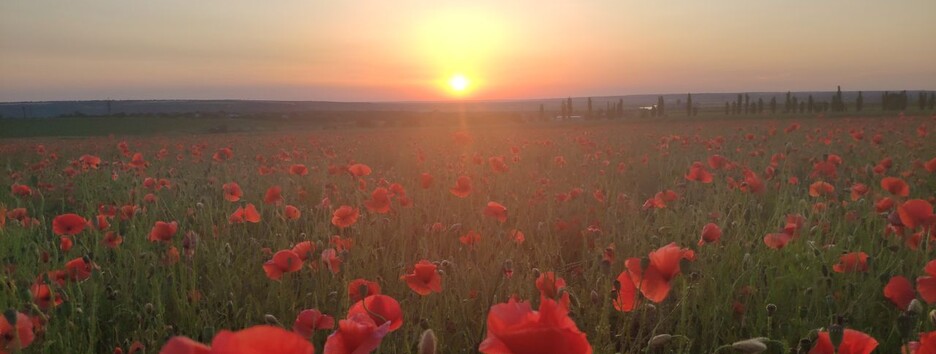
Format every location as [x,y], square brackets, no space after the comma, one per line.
[235,107]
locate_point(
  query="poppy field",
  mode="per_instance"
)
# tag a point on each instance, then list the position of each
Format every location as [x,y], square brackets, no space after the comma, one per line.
[805,235]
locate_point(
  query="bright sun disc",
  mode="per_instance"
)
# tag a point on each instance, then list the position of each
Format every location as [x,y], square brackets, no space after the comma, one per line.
[458,83]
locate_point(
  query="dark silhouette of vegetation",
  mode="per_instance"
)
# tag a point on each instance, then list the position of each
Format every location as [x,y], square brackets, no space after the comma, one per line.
[859,102]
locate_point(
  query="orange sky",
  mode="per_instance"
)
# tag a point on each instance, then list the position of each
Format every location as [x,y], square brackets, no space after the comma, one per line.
[409,50]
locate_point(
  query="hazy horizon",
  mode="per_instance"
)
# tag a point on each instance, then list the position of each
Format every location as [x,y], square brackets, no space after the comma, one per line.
[409,51]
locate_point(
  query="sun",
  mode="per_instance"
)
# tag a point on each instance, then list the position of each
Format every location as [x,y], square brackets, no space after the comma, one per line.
[458,83]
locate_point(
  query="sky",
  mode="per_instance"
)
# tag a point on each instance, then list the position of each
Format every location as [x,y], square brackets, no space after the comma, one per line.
[411,50]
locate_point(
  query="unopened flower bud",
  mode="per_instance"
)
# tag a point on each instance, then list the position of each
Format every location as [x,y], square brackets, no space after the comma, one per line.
[271,320]
[659,340]
[427,342]
[750,346]
[915,307]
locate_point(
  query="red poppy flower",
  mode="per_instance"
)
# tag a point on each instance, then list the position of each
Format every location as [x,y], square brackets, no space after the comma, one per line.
[462,187]
[710,233]
[304,250]
[858,190]
[915,213]
[137,161]
[331,260]
[43,297]
[496,210]
[344,216]
[311,320]
[298,169]
[359,170]
[78,269]
[68,224]
[232,192]
[853,342]
[717,162]
[498,165]
[358,334]
[381,308]
[516,236]
[515,328]
[273,195]
[927,343]
[698,173]
[926,285]
[777,240]
[883,204]
[930,165]
[379,201]
[549,285]
[470,239]
[821,188]
[854,262]
[20,190]
[65,243]
[112,239]
[285,261]
[291,213]
[163,231]
[256,339]
[425,180]
[245,214]
[895,186]
[627,298]
[424,280]
[16,336]
[899,291]
[654,281]
[356,286]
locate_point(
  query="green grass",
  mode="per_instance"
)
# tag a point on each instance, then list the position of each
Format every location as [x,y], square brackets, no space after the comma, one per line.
[133,296]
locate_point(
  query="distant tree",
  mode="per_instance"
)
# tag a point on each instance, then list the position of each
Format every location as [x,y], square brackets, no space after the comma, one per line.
[760,105]
[589,115]
[727,108]
[838,104]
[620,107]
[859,102]
[810,105]
[747,104]
[661,111]
[921,100]
[689,104]
[773,105]
[737,106]
[788,104]
[542,112]
[932,101]
[794,104]
[563,112]
[569,110]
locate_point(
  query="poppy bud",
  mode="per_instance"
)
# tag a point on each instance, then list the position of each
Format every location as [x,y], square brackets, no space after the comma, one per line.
[148,308]
[200,205]
[836,332]
[750,346]
[271,320]
[915,308]
[771,310]
[446,264]
[659,340]
[302,235]
[536,273]
[424,323]
[427,342]
[905,324]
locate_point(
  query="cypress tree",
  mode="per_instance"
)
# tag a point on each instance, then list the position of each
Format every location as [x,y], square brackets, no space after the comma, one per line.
[689,105]
[773,105]
[660,106]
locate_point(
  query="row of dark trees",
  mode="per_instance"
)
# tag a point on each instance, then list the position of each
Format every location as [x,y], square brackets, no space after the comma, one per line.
[744,105]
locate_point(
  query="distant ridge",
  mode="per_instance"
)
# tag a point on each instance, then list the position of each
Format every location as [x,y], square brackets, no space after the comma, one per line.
[43,109]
